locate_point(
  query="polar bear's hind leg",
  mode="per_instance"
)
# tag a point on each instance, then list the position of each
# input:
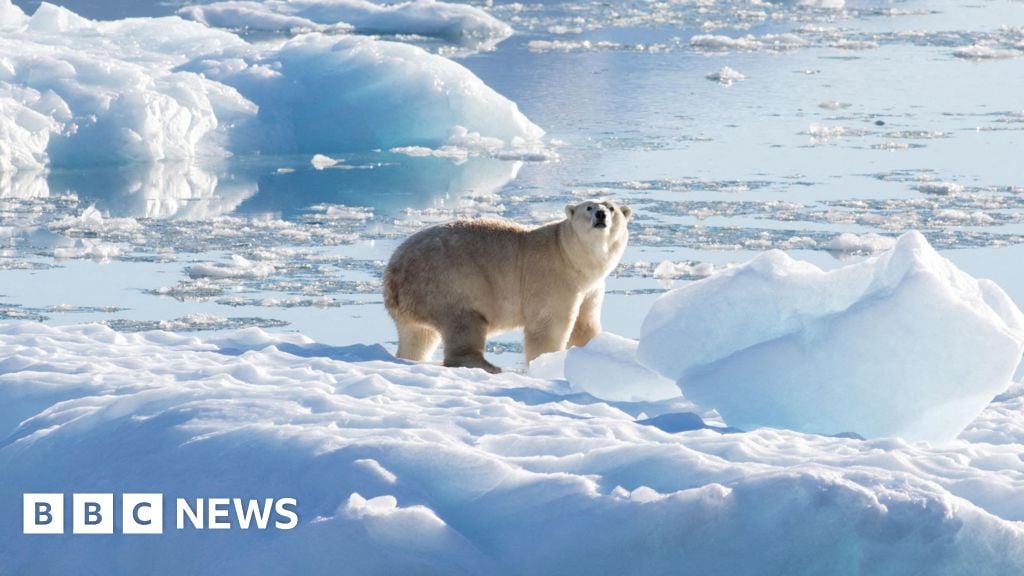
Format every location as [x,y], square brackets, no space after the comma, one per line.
[417,342]
[465,335]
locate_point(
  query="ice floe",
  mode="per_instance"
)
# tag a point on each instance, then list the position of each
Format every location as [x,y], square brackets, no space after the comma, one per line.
[418,468]
[870,243]
[726,76]
[902,344]
[460,23]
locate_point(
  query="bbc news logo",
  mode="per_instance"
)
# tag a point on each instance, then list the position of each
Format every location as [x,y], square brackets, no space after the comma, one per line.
[144,513]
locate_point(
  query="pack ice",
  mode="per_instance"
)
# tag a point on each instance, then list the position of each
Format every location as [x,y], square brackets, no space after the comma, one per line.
[79,92]
[903,344]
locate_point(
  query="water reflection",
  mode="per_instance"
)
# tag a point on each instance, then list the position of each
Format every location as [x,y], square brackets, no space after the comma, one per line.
[389,187]
[283,187]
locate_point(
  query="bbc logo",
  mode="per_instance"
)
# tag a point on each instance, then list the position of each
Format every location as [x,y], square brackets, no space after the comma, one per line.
[93,513]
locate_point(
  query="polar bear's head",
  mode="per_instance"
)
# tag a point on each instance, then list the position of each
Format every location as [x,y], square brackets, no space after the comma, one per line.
[599,233]
[603,217]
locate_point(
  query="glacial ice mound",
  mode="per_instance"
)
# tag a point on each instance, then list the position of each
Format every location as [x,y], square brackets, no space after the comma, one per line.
[78,92]
[903,344]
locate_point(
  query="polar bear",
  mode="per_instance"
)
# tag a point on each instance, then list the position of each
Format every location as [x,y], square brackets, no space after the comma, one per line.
[462,281]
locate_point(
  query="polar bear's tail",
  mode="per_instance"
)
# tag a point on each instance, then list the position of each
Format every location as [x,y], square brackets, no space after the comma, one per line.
[390,287]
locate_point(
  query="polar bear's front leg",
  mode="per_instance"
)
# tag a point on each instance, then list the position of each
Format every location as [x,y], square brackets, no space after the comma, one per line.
[548,333]
[588,321]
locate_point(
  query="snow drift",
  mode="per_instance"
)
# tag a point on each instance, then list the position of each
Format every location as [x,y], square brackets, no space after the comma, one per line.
[420,469]
[904,344]
[75,92]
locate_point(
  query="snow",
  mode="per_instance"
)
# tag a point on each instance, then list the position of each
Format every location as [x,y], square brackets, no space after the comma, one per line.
[903,344]
[401,468]
[77,92]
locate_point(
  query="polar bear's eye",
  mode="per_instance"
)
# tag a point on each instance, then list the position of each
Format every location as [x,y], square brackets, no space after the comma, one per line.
[590,208]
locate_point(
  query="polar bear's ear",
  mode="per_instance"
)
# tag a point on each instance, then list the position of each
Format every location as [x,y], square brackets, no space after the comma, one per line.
[626,211]
[569,210]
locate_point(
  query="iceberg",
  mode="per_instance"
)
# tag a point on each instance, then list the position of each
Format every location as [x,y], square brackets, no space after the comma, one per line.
[903,344]
[459,23]
[76,92]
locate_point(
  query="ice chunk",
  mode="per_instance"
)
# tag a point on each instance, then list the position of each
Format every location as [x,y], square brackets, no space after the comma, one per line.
[870,243]
[726,76]
[240,267]
[459,23]
[550,366]
[292,81]
[940,188]
[903,344]
[76,92]
[607,368]
[463,145]
[253,16]
[983,52]
[320,161]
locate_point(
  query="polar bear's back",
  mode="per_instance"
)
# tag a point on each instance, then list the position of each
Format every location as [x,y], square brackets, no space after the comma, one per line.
[467,264]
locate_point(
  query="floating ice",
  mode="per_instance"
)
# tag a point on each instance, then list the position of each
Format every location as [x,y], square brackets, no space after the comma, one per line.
[823,132]
[833,105]
[870,243]
[459,23]
[720,43]
[903,344]
[829,4]
[87,248]
[726,76]
[984,52]
[240,267]
[320,161]
[462,145]
[668,270]
[193,323]
[941,188]
[77,92]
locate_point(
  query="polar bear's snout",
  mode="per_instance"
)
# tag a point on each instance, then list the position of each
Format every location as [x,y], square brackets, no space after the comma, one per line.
[600,218]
